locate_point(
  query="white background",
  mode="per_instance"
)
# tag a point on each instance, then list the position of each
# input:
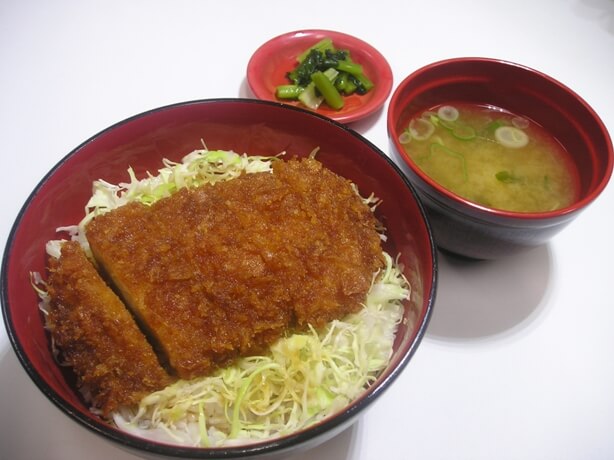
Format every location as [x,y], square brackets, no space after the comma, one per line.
[518,359]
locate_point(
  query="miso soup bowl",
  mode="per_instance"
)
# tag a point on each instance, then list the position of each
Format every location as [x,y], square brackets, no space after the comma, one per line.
[244,126]
[466,228]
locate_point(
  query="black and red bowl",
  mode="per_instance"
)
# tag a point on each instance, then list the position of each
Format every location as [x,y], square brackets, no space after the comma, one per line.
[244,126]
[467,228]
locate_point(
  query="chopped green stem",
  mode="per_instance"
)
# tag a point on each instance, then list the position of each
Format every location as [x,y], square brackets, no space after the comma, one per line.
[341,81]
[349,67]
[289,91]
[327,90]
[363,84]
[350,86]
[323,57]
[321,46]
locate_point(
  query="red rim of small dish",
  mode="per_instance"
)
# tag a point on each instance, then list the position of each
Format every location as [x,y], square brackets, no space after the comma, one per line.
[577,205]
[270,62]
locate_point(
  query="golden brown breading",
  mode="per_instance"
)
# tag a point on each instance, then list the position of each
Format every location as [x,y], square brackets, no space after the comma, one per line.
[97,335]
[223,270]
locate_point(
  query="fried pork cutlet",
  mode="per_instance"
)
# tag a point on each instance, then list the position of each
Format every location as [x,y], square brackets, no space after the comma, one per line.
[97,335]
[223,270]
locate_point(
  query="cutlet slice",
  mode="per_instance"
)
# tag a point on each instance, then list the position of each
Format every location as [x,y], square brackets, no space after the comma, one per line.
[224,270]
[97,336]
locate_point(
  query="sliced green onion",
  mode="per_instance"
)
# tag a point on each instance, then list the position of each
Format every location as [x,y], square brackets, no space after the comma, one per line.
[463,132]
[449,125]
[405,138]
[421,129]
[453,154]
[448,113]
[520,122]
[511,137]
[507,177]
[493,126]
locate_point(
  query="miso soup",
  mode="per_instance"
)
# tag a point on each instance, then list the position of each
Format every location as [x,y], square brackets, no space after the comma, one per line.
[492,157]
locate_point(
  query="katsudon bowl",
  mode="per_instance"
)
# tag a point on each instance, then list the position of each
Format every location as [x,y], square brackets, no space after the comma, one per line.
[243,126]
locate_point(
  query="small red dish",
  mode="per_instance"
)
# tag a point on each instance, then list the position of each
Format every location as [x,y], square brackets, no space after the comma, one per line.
[268,66]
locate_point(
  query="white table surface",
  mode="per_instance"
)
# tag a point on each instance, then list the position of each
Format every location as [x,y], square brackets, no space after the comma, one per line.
[518,360]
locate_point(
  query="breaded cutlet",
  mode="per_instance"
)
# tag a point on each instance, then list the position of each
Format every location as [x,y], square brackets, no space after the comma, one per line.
[97,336]
[223,270]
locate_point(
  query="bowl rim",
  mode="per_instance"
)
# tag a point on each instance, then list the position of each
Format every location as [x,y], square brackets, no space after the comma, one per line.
[481,210]
[277,445]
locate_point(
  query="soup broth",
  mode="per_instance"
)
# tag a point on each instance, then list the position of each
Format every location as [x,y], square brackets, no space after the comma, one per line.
[492,157]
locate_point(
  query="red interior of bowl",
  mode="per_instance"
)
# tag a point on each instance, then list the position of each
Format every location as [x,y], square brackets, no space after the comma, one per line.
[254,127]
[522,91]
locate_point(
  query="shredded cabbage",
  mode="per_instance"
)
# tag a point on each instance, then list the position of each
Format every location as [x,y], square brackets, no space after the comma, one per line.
[305,377]
[199,167]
